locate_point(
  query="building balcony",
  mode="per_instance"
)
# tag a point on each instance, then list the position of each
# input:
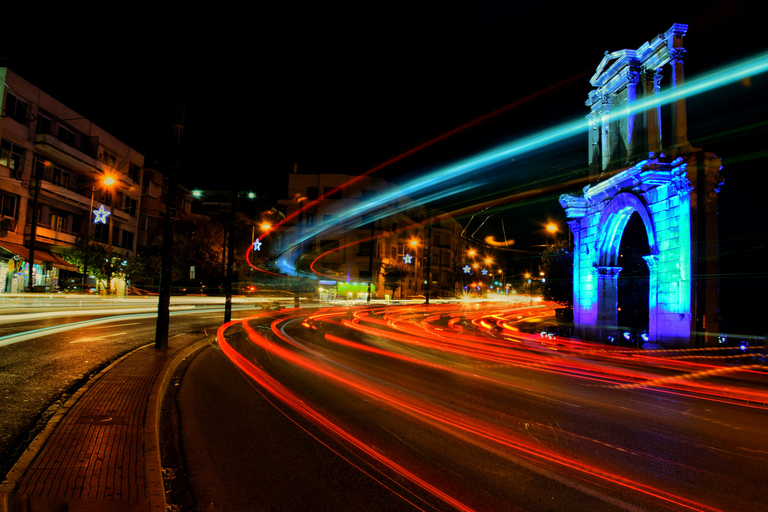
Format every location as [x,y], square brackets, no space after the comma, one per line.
[51,236]
[73,158]
[57,194]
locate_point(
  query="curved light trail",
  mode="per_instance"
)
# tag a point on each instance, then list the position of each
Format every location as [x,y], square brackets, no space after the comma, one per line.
[391,361]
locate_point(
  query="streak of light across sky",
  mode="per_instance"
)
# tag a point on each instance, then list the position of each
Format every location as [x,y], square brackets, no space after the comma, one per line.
[442,183]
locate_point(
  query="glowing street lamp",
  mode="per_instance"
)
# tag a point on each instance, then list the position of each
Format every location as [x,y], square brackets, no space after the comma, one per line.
[100,216]
[552,228]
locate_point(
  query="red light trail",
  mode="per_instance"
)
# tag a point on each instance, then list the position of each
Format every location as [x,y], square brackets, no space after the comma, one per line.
[471,343]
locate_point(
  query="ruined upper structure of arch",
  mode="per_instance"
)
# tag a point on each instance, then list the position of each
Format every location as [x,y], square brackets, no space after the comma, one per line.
[623,77]
[638,166]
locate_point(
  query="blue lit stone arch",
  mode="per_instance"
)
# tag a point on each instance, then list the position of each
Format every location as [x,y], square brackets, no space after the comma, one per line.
[660,192]
[613,221]
[674,191]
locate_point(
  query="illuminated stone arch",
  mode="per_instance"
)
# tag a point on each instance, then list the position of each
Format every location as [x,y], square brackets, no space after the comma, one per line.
[613,222]
[673,191]
[660,192]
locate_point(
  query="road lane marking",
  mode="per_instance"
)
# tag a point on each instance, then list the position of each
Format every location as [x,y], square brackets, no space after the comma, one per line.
[10,339]
[99,338]
[113,326]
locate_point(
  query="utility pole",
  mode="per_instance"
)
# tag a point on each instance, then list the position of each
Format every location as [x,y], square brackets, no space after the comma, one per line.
[166,265]
[33,235]
[429,257]
[371,245]
[230,257]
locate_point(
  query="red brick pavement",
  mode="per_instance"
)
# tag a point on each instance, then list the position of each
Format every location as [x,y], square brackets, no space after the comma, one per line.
[100,452]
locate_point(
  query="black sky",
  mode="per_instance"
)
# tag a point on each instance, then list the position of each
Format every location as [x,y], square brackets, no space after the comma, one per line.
[340,88]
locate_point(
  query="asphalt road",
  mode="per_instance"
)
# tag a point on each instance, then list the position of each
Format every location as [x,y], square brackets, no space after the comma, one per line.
[47,353]
[399,409]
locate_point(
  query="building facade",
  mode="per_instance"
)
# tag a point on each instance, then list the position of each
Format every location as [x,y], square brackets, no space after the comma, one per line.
[360,228]
[53,166]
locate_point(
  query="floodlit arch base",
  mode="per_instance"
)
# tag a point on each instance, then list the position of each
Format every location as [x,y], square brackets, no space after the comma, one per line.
[662,192]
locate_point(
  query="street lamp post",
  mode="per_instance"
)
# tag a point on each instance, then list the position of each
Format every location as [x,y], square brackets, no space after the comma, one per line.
[107,181]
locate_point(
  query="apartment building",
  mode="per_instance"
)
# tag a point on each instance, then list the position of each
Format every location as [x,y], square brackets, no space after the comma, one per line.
[348,244]
[54,165]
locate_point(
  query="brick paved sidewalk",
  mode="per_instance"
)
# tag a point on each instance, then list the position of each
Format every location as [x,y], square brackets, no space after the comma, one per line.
[100,451]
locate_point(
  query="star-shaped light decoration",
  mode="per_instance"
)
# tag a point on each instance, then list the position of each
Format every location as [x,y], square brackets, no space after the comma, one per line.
[100,215]
[467,269]
[485,272]
[408,259]
[257,245]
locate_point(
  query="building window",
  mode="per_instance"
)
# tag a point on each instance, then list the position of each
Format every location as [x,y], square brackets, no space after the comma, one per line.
[329,245]
[101,232]
[12,156]
[127,241]
[43,124]
[58,220]
[62,177]
[130,206]
[8,205]
[330,219]
[133,172]
[16,109]
[309,219]
[152,189]
[332,192]
[312,193]
[108,158]
[68,137]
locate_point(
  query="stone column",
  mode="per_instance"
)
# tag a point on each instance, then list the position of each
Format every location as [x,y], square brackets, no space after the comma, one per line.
[575,227]
[593,119]
[652,81]
[605,129]
[653,293]
[632,78]
[607,299]
[679,118]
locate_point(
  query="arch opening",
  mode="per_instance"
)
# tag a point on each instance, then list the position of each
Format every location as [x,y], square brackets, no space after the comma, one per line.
[633,286]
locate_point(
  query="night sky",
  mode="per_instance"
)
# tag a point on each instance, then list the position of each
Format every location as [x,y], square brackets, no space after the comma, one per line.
[342,88]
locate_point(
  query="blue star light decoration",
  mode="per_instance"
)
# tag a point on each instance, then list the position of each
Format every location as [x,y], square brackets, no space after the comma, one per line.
[257,245]
[408,259]
[485,272]
[467,269]
[101,215]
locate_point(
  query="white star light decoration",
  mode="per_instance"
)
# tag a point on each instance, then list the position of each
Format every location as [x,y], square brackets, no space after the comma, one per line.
[100,215]
[257,245]
[407,259]
[485,272]
[467,269]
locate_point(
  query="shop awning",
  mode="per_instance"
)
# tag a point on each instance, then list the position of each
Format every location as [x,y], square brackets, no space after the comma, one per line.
[41,256]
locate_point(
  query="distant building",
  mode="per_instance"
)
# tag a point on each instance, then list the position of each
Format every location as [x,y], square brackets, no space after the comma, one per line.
[52,162]
[346,245]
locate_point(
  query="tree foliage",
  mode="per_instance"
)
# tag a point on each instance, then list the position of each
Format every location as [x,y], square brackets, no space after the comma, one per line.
[394,275]
[196,243]
[557,265]
[104,262]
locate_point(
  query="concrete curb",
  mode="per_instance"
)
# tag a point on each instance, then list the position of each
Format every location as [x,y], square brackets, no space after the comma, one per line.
[155,487]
